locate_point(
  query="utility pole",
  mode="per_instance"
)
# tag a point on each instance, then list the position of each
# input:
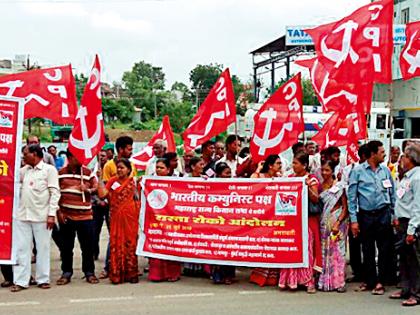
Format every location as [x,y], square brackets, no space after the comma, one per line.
[28,67]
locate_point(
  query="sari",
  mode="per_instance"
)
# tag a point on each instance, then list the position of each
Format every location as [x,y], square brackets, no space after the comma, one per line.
[124,225]
[264,276]
[164,270]
[333,274]
[293,277]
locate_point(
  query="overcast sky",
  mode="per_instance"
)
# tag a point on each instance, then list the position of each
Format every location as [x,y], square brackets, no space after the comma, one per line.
[173,34]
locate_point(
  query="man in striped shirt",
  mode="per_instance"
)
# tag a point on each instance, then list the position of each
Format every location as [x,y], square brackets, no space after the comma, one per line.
[77,183]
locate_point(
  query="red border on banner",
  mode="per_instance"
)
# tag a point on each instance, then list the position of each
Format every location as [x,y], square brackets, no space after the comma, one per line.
[240,222]
[11,130]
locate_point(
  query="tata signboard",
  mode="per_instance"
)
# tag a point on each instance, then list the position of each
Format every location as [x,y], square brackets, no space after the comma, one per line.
[296,36]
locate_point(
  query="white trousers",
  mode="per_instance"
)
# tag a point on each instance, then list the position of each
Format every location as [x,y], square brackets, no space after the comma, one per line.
[25,231]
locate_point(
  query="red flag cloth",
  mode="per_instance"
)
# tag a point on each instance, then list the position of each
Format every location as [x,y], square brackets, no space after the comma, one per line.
[359,46]
[164,133]
[410,55]
[340,129]
[352,149]
[337,96]
[88,135]
[214,116]
[279,121]
[48,93]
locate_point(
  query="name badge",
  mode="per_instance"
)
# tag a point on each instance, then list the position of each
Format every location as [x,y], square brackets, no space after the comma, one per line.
[400,192]
[387,183]
[210,172]
[115,186]
[334,189]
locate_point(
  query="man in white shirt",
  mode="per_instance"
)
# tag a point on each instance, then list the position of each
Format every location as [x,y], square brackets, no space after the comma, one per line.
[159,149]
[35,218]
[231,158]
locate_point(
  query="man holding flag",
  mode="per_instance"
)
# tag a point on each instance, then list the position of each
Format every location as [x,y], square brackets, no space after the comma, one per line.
[77,182]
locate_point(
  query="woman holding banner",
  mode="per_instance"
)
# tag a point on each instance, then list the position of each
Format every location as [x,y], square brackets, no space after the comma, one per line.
[159,269]
[269,168]
[290,278]
[123,196]
[223,274]
[334,229]
[191,269]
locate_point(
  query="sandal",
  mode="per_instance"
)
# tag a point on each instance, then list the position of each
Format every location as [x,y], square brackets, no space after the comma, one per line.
[103,275]
[92,279]
[397,295]
[412,301]
[6,284]
[44,286]
[342,289]
[16,288]
[362,288]
[174,279]
[311,290]
[63,281]
[379,290]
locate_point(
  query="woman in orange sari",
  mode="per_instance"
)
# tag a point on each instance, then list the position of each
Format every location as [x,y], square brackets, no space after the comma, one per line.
[122,194]
[160,269]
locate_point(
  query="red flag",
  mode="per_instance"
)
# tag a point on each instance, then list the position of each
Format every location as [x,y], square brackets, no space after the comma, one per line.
[164,133]
[279,121]
[48,93]
[340,129]
[337,96]
[359,46]
[88,136]
[352,152]
[410,55]
[214,116]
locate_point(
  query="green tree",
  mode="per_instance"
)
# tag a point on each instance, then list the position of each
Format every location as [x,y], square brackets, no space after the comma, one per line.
[118,109]
[182,88]
[203,77]
[80,81]
[144,84]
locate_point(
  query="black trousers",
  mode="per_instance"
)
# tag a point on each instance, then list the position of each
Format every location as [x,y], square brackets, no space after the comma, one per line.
[409,261]
[355,249]
[85,234]
[100,214]
[377,234]
[7,272]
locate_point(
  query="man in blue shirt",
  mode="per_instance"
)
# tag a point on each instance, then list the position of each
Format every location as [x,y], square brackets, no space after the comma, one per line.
[371,191]
[58,160]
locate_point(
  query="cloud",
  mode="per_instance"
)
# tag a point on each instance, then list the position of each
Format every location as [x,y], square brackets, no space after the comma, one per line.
[55,8]
[112,20]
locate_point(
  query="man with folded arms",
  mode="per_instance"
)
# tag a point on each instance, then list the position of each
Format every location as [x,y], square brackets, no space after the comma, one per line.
[407,223]
[35,218]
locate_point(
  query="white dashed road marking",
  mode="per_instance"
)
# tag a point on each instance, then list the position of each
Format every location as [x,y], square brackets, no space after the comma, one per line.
[103,299]
[20,303]
[175,296]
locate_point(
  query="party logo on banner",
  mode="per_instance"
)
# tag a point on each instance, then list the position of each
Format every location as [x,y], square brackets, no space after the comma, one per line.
[286,203]
[157,199]
[6,119]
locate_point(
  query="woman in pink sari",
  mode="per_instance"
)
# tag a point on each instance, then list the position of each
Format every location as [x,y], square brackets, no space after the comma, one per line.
[160,269]
[291,278]
[334,228]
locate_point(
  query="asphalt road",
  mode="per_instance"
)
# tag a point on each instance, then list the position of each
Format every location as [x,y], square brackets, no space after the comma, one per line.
[187,296]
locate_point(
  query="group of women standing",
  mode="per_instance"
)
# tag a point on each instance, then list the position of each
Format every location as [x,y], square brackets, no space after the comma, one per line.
[327,229]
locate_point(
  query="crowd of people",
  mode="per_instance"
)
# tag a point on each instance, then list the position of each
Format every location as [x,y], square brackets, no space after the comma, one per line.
[370,209]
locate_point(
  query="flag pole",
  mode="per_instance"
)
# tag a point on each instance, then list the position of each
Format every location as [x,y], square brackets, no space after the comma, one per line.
[81,182]
[390,119]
